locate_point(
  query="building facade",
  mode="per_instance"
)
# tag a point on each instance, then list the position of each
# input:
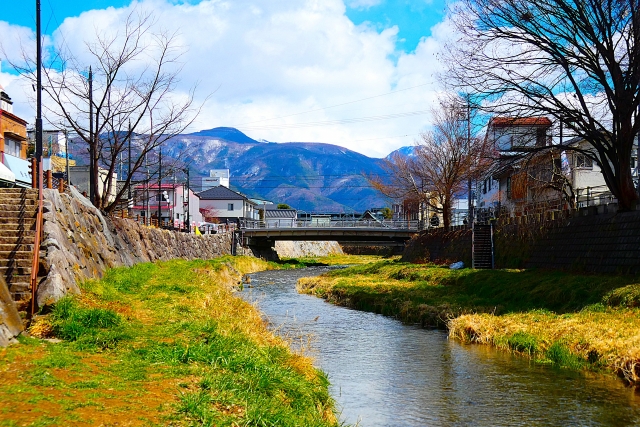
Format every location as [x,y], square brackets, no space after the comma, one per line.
[14,168]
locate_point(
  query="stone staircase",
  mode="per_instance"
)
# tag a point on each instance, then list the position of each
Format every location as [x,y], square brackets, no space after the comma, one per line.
[18,211]
[482,246]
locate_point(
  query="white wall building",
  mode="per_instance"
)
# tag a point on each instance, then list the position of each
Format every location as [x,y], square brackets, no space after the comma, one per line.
[175,201]
[226,205]
[216,178]
[506,135]
[586,175]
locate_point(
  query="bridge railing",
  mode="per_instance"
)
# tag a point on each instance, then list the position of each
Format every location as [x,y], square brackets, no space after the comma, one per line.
[288,223]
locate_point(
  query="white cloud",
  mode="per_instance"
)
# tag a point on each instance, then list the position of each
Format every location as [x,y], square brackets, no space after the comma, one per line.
[266,59]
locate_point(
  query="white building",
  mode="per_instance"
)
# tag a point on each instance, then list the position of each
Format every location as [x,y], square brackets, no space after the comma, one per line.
[174,200]
[227,206]
[216,178]
[79,178]
[586,175]
[507,135]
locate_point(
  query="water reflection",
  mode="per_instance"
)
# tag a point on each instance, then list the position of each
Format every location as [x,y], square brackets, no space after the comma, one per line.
[384,373]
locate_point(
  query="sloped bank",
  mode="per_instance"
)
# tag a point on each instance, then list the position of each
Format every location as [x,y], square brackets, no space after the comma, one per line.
[165,343]
[80,243]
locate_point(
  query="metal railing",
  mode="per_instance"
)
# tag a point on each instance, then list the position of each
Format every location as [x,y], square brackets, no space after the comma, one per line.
[280,224]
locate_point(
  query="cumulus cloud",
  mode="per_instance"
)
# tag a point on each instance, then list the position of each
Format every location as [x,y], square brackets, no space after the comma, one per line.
[271,68]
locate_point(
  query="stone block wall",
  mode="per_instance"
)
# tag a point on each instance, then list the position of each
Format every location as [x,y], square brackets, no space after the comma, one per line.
[80,243]
[10,321]
[598,242]
[604,243]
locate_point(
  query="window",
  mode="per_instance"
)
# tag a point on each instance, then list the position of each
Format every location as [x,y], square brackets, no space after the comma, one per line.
[484,187]
[230,206]
[12,147]
[583,161]
[541,138]
[508,187]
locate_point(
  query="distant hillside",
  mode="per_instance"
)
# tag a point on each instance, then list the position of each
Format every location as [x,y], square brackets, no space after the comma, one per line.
[314,177]
[309,176]
[227,134]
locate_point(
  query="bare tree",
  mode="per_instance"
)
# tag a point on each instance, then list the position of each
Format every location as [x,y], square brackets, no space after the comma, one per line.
[575,60]
[443,161]
[123,96]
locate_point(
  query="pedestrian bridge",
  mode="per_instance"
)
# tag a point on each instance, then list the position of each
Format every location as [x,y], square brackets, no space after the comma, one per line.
[352,232]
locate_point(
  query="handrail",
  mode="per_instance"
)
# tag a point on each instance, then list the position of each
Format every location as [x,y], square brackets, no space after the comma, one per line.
[35,266]
[291,223]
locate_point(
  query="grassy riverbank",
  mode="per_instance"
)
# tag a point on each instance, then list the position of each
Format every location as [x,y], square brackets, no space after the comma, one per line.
[161,344]
[576,321]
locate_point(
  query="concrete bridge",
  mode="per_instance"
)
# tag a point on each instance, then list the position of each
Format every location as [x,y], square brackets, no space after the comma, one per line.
[260,234]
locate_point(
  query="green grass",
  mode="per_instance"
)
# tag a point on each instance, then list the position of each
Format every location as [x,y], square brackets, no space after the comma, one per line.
[392,284]
[173,328]
[574,321]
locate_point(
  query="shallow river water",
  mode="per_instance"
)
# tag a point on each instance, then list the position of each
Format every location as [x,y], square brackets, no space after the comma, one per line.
[384,373]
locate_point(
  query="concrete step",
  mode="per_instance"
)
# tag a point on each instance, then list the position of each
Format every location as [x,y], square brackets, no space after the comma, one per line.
[27,213]
[13,234]
[9,272]
[28,224]
[16,262]
[9,255]
[16,247]
[16,238]
[17,194]
[28,200]
[18,278]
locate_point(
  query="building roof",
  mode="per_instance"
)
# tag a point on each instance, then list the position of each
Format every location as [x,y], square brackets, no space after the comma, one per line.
[279,214]
[221,193]
[519,121]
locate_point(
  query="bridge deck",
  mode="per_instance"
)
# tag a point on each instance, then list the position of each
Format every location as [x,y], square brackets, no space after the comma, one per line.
[341,231]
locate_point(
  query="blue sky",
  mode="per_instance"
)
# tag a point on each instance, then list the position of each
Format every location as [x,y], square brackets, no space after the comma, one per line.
[362,74]
[414,18]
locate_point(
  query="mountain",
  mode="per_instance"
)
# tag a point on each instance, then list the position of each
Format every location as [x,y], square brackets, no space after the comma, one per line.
[407,151]
[313,177]
[227,134]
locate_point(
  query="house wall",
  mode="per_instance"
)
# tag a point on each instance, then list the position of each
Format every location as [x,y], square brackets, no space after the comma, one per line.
[221,208]
[79,178]
[11,123]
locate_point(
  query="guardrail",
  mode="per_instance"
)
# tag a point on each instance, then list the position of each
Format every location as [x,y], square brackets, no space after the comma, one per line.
[288,223]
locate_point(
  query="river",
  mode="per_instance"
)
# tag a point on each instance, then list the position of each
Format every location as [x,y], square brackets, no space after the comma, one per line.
[384,373]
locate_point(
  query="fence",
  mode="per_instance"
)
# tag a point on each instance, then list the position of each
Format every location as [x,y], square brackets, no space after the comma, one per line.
[288,223]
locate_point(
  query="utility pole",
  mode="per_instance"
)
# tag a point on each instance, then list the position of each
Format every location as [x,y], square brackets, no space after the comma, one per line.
[188,200]
[92,148]
[38,153]
[159,186]
[129,168]
[469,202]
[66,150]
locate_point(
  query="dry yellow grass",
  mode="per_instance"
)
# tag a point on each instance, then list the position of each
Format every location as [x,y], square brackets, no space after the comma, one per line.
[611,338]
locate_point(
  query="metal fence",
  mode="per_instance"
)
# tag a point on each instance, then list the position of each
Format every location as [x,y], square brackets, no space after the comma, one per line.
[288,223]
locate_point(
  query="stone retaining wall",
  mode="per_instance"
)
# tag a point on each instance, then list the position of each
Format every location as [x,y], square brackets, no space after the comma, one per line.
[604,243]
[10,321]
[594,242]
[81,244]
[286,249]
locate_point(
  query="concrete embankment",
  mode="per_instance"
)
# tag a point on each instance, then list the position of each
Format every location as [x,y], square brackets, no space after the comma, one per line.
[307,249]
